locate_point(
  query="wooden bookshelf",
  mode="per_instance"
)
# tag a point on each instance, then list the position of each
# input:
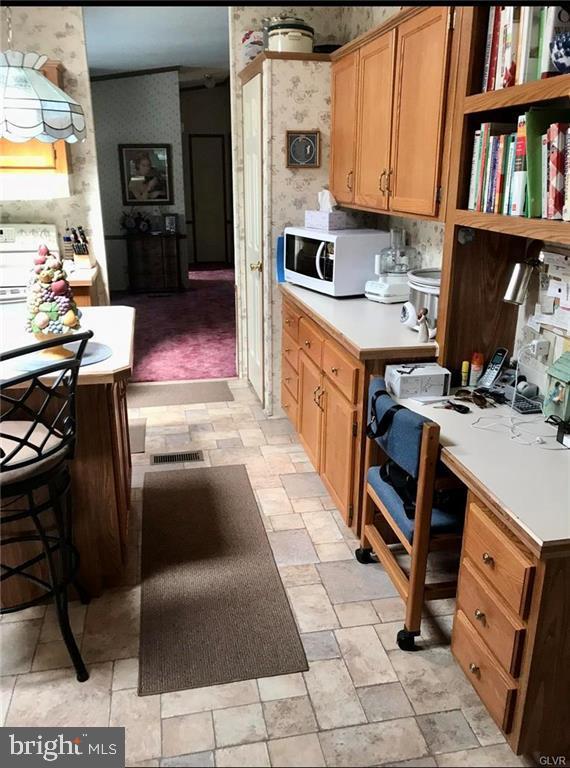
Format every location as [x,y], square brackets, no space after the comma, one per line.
[535,92]
[534,229]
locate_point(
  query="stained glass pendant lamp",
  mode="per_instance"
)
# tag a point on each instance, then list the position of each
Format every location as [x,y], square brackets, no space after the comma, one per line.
[31,106]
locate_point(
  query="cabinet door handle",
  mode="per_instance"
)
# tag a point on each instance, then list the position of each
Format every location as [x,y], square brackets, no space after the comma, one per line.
[380,179]
[334,370]
[388,190]
[487,558]
[287,378]
[307,343]
[349,176]
[287,350]
[315,396]
[323,392]
[287,322]
[479,615]
[474,669]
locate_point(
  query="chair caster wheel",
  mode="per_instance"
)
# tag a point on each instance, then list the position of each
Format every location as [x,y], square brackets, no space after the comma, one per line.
[406,640]
[363,555]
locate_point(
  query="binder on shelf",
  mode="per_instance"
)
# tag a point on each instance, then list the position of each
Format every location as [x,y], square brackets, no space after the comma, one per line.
[537,123]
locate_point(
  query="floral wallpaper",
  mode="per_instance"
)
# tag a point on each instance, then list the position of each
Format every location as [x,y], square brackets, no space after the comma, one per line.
[296,94]
[57,31]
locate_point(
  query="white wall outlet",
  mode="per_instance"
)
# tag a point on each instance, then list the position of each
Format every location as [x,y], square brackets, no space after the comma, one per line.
[539,347]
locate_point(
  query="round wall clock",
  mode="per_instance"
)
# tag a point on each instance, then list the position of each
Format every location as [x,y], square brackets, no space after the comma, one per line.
[303,149]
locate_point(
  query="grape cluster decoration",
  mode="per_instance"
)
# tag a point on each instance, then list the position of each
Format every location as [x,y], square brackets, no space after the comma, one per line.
[51,308]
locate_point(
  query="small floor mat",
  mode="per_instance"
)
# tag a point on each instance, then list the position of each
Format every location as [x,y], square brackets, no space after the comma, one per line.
[178,393]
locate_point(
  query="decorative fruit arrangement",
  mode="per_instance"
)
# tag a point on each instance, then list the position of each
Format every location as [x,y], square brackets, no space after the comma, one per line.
[51,308]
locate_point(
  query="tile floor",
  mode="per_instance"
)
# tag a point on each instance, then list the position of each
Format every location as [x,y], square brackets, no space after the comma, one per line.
[362,702]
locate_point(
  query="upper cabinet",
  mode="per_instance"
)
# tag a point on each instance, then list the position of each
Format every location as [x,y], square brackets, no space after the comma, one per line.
[387,132]
[344,91]
[33,155]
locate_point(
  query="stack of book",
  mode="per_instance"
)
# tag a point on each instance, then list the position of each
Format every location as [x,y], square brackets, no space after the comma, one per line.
[518,47]
[523,169]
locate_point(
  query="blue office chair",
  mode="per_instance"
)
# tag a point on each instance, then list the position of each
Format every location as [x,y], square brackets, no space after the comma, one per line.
[420,506]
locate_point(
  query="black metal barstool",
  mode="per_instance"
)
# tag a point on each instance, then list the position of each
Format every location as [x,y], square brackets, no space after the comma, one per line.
[37,438]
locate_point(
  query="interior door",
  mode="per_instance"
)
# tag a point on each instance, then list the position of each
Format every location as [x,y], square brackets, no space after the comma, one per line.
[309,416]
[338,446]
[375,88]
[252,147]
[343,130]
[419,100]
[208,195]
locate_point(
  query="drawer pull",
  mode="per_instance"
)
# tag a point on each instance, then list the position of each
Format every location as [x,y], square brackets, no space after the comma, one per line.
[287,378]
[474,669]
[287,349]
[307,343]
[285,405]
[288,322]
[334,370]
[479,615]
[488,559]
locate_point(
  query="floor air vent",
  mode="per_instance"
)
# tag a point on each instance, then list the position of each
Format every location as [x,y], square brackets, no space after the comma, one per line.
[176,458]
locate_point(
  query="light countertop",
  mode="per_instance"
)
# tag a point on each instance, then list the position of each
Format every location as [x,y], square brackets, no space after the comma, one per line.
[83,276]
[531,482]
[113,326]
[368,329]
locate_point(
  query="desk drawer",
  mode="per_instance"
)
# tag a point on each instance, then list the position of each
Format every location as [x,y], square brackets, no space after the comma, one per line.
[290,350]
[502,631]
[291,321]
[496,689]
[310,340]
[498,559]
[289,405]
[340,369]
[290,378]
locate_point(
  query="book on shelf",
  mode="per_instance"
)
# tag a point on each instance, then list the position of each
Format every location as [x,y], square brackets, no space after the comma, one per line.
[555,20]
[544,171]
[556,168]
[491,48]
[527,55]
[518,183]
[512,22]
[566,206]
[474,170]
[509,169]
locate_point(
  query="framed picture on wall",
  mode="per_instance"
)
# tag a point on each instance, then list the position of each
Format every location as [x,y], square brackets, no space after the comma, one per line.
[303,149]
[146,174]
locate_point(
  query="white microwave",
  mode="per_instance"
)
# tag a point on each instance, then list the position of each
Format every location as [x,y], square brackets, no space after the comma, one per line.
[337,263]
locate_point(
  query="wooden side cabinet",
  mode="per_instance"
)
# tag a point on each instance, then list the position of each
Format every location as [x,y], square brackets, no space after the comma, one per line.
[388,112]
[153,263]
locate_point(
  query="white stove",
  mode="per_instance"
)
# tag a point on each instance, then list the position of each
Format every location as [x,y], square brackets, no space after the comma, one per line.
[18,246]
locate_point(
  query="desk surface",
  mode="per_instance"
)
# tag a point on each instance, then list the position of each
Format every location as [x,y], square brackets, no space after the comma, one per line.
[531,483]
[113,326]
[367,328]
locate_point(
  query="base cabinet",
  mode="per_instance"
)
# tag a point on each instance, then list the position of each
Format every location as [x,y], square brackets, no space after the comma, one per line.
[339,430]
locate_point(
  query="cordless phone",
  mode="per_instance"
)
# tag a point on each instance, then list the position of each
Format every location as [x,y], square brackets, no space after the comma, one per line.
[493,369]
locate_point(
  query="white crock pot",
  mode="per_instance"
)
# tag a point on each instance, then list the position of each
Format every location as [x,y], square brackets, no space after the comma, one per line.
[290,34]
[424,292]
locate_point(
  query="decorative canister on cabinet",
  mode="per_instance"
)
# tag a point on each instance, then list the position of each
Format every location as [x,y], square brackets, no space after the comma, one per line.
[290,34]
[557,400]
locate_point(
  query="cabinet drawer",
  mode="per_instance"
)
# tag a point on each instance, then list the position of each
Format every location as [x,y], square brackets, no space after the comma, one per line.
[291,350]
[497,557]
[291,321]
[496,689]
[289,405]
[340,369]
[310,340]
[290,378]
[502,631]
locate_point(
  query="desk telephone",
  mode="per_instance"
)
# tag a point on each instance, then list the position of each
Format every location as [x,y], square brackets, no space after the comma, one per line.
[502,384]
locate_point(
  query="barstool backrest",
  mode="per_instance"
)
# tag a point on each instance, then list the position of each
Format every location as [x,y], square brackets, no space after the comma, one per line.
[37,408]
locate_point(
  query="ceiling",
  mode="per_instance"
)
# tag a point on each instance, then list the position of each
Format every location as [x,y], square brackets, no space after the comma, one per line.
[126,39]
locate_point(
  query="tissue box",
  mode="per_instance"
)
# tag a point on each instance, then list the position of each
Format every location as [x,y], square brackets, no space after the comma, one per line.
[417,380]
[329,220]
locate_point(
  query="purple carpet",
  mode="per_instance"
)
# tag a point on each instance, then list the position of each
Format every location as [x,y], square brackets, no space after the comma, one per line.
[190,335]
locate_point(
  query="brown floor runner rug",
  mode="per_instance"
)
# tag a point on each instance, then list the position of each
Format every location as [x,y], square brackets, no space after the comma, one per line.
[178,393]
[214,609]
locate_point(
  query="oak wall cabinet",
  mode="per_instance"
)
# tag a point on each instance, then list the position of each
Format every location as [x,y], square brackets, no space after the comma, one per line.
[389,90]
[33,155]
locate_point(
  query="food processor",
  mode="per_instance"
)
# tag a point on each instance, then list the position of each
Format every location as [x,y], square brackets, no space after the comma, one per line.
[392,265]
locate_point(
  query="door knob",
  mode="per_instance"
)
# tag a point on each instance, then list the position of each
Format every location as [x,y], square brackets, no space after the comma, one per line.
[334,370]
[474,669]
[487,558]
[479,615]
[307,343]
[256,266]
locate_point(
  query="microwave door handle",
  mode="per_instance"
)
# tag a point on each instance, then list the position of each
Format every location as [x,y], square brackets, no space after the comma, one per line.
[320,250]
